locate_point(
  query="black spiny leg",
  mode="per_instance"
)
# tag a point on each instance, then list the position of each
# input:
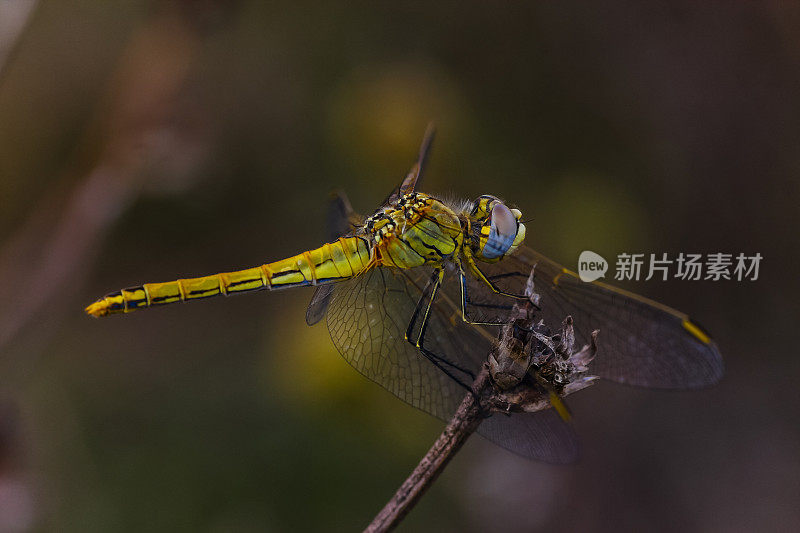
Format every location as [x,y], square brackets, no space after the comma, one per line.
[470,260]
[465,301]
[441,363]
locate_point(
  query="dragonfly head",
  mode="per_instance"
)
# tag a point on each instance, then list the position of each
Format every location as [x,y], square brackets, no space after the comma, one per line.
[497,230]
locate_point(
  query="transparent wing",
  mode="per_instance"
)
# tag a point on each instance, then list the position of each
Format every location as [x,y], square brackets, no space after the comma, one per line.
[641,342]
[341,219]
[319,304]
[367,319]
[542,435]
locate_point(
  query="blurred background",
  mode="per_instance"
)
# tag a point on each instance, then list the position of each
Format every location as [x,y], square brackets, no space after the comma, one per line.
[146,141]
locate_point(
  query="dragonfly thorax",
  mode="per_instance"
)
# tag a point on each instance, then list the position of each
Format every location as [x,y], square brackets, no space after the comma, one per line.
[416,230]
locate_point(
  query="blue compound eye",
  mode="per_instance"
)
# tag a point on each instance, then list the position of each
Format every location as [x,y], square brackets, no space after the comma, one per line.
[502,232]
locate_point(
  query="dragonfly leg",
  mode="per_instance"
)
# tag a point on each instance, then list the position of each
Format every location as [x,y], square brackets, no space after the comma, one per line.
[481,276]
[507,275]
[465,300]
[440,362]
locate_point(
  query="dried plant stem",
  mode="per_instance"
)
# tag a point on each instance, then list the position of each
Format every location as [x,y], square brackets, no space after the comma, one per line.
[463,424]
[506,384]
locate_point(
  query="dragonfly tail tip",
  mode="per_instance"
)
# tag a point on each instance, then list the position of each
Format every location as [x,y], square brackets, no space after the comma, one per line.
[97,309]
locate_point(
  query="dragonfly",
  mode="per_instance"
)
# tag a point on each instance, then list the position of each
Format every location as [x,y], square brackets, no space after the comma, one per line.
[412,294]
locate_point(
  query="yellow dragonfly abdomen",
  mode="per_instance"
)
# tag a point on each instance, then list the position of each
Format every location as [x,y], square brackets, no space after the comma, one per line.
[342,259]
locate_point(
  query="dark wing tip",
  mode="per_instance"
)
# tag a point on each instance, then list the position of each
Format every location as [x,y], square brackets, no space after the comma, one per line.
[715,368]
[709,354]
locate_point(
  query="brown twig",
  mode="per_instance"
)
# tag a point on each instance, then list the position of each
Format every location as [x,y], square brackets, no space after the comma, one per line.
[513,379]
[463,424]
